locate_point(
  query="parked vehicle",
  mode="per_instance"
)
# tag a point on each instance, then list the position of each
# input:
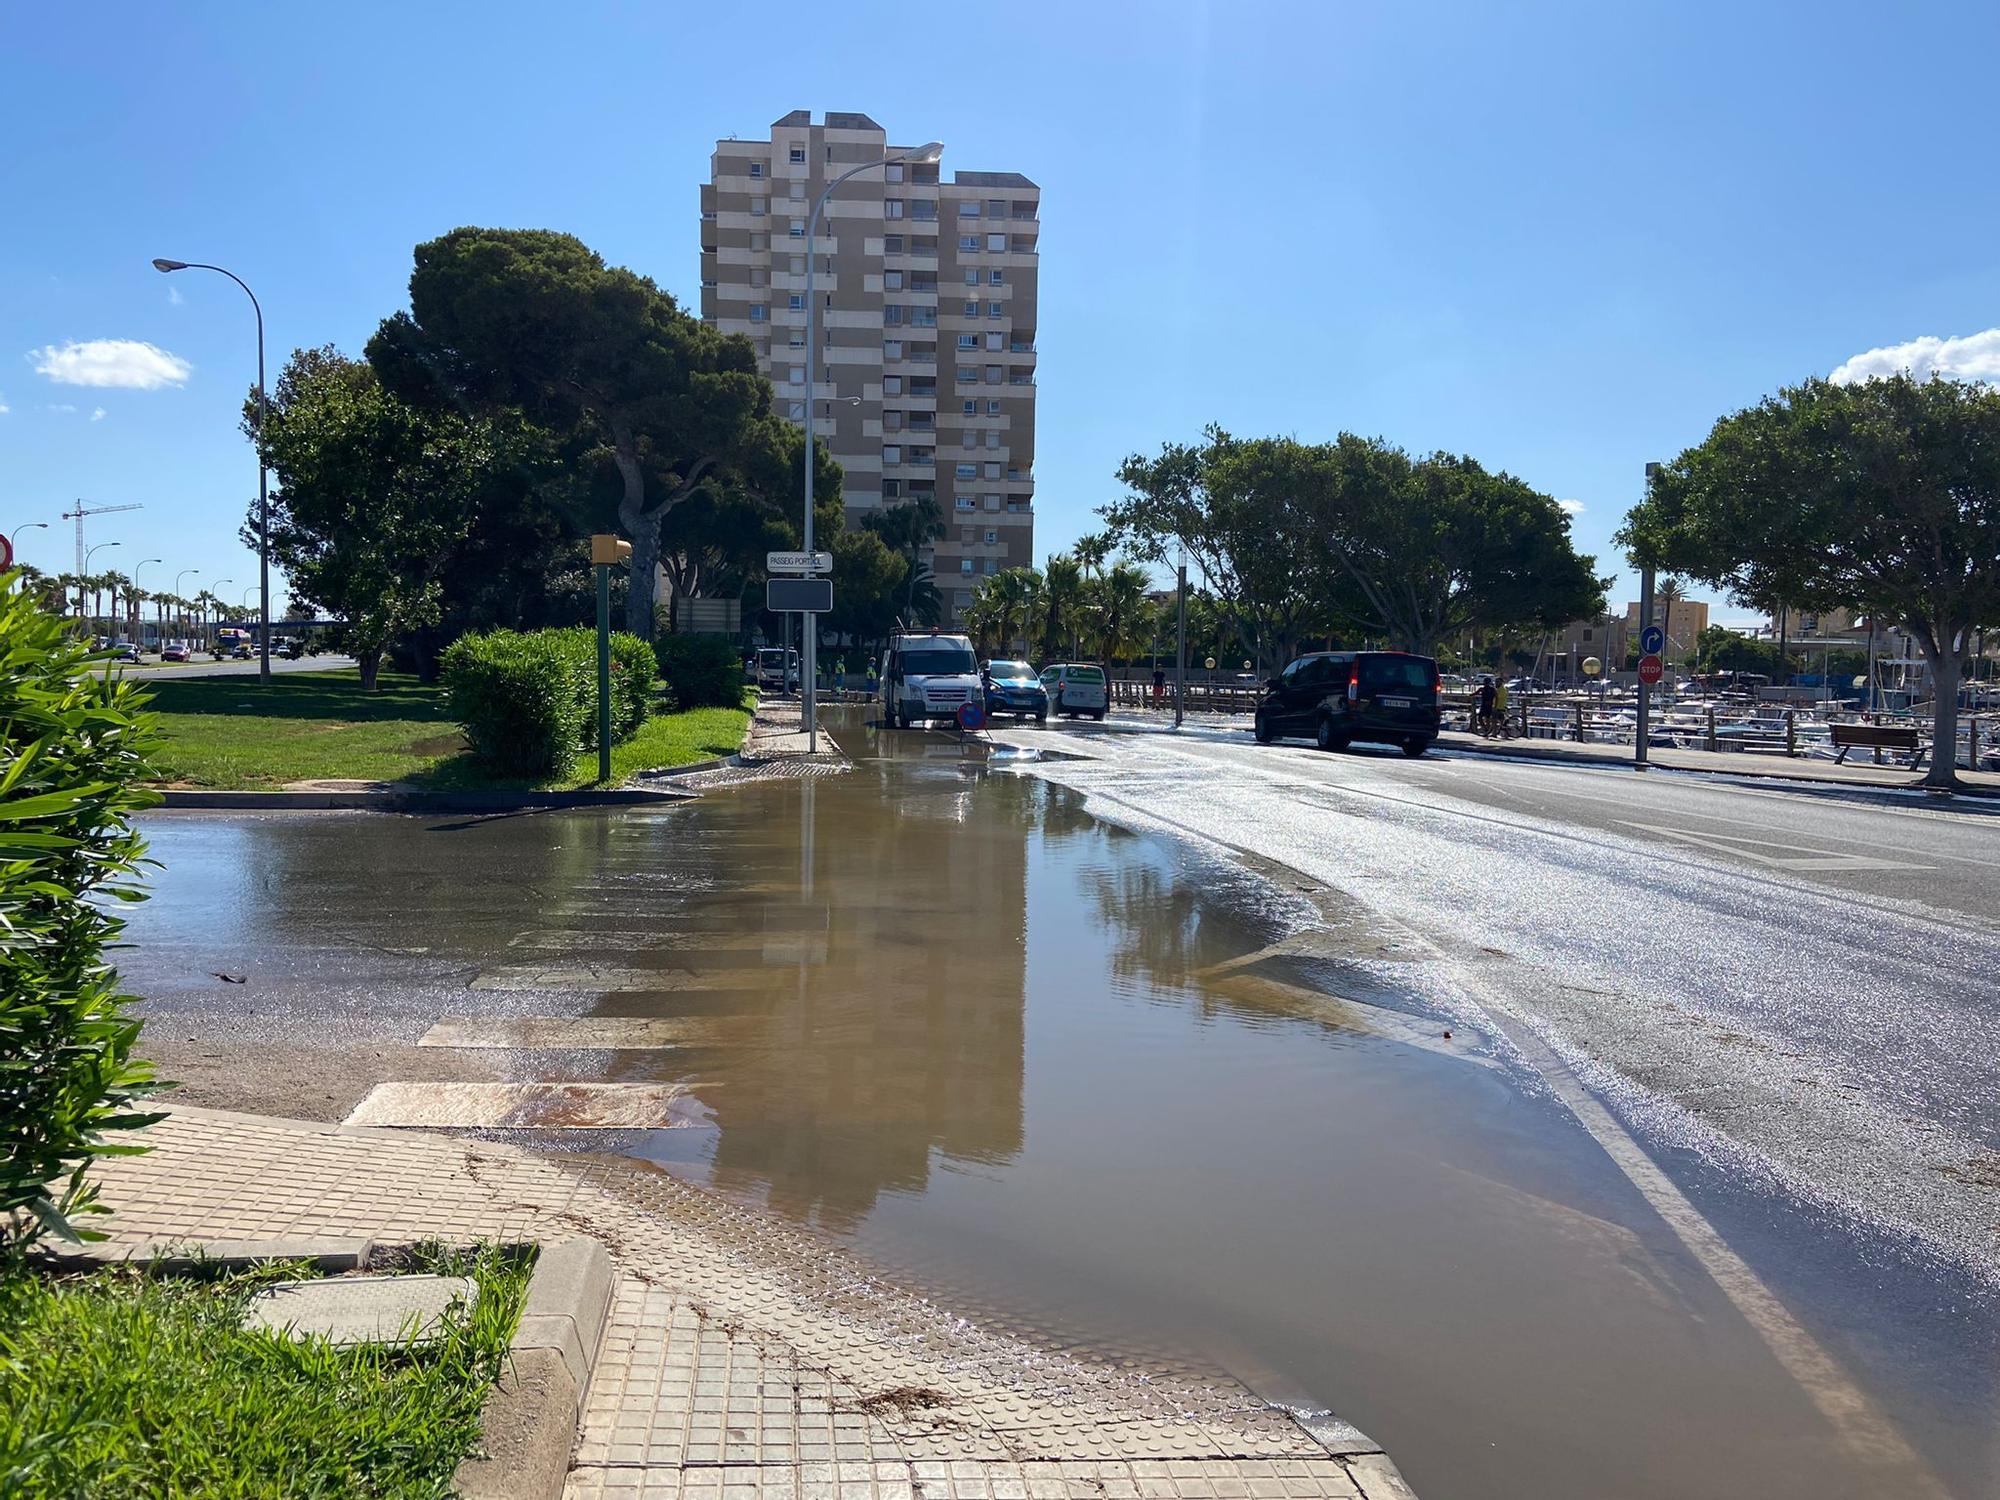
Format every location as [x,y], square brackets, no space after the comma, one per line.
[241,651]
[126,652]
[1077,688]
[176,652]
[293,649]
[928,676]
[1338,697]
[1013,688]
[778,669]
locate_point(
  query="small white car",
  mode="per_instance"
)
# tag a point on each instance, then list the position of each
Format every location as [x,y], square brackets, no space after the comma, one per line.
[1076,688]
[929,676]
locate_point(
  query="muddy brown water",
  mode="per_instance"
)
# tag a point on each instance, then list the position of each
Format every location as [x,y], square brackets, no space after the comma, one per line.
[1111,1091]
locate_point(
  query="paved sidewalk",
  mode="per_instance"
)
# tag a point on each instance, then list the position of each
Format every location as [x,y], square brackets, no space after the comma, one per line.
[776,733]
[745,1359]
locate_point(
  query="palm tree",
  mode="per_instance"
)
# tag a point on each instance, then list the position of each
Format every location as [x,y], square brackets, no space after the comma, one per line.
[204,602]
[1123,611]
[908,528]
[1062,604]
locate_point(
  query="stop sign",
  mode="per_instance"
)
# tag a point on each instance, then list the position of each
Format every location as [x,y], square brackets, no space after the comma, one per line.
[1650,670]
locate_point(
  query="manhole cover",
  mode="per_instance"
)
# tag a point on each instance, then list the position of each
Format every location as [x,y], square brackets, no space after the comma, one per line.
[361,1309]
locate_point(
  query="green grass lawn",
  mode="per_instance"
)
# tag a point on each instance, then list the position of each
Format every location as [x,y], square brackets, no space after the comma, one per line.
[119,1384]
[238,733]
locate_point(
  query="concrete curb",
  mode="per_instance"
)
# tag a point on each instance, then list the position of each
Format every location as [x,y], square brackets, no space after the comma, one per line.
[1798,772]
[419,801]
[528,1427]
[529,1423]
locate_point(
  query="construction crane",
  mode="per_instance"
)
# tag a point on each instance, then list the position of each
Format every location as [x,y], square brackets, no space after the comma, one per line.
[82,558]
[77,516]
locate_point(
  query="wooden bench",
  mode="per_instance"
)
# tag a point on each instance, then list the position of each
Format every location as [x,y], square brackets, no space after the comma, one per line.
[1878,737]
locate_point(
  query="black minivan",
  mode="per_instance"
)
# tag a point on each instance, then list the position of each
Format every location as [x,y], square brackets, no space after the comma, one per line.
[1338,697]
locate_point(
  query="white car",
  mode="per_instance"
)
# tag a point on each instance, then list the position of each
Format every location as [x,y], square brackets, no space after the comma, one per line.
[929,676]
[777,669]
[1076,688]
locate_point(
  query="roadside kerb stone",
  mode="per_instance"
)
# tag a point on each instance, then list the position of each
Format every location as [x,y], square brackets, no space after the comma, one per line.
[413,800]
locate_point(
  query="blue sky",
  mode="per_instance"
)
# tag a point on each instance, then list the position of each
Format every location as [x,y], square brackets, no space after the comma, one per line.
[1562,238]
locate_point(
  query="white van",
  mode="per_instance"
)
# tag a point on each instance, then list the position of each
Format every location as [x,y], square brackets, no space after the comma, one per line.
[928,676]
[1076,688]
[778,670]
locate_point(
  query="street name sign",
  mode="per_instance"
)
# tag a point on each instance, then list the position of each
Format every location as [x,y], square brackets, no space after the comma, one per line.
[1652,640]
[798,562]
[805,596]
[1651,669]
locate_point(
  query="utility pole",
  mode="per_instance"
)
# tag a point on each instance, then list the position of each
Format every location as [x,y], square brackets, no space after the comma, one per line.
[1644,728]
[1180,645]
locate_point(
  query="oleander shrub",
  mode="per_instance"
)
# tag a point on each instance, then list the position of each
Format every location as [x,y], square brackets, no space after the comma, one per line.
[527,700]
[74,749]
[701,671]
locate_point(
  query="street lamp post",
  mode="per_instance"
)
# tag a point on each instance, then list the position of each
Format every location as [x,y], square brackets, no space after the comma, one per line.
[181,616]
[82,587]
[929,152]
[138,634]
[263,474]
[14,537]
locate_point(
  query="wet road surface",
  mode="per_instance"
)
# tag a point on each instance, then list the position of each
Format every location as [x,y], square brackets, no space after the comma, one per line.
[1010,1029]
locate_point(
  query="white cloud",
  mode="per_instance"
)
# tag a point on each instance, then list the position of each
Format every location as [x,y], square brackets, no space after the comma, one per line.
[1974,357]
[4,407]
[97,414]
[60,406]
[1571,507]
[174,297]
[127,363]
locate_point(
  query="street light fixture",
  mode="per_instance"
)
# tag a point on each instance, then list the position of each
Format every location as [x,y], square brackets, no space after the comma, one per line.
[180,615]
[12,550]
[82,591]
[930,151]
[263,475]
[137,633]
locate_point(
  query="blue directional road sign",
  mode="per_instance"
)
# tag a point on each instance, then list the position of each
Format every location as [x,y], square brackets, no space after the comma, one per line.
[1652,640]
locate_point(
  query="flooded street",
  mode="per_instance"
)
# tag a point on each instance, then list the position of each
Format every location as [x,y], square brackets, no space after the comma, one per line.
[1111,1088]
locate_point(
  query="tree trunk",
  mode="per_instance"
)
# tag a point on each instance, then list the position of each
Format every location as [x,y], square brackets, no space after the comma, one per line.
[370,662]
[1944,665]
[645,541]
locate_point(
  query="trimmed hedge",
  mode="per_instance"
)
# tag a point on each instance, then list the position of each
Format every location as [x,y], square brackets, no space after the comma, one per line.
[527,700]
[73,750]
[701,671]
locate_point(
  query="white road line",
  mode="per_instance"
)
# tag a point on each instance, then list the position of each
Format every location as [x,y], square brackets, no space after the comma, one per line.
[529,1106]
[1804,857]
[604,1033]
[597,979]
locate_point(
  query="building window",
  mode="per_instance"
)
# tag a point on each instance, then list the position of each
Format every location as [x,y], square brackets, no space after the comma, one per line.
[892,244]
[892,421]
[970,408]
[968,210]
[992,471]
[968,242]
[892,455]
[892,281]
[964,563]
[992,374]
[963,502]
[971,310]
[798,377]
[798,158]
[797,340]
[796,410]
[892,208]
[991,502]
[756,169]
[968,375]
[923,317]
[894,171]
[757,211]
[996,208]
[892,349]
[996,309]
[797,229]
[965,341]
[970,438]
[892,315]
[892,385]
[996,242]
[798,190]
[995,342]
[992,537]
[797,303]
[965,471]
[992,437]
[892,489]
[924,209]
[758,312]
[760,242]
[992,408]
[972,276]
[996,278]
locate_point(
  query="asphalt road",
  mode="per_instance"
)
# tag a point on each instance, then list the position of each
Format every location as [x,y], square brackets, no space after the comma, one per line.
[1802,984]
[154,671]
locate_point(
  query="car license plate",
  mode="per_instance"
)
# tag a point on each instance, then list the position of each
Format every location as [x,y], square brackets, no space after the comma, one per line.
[1396,702]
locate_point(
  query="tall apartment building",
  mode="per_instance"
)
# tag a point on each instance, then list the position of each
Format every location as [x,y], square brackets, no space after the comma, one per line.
[926,318]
